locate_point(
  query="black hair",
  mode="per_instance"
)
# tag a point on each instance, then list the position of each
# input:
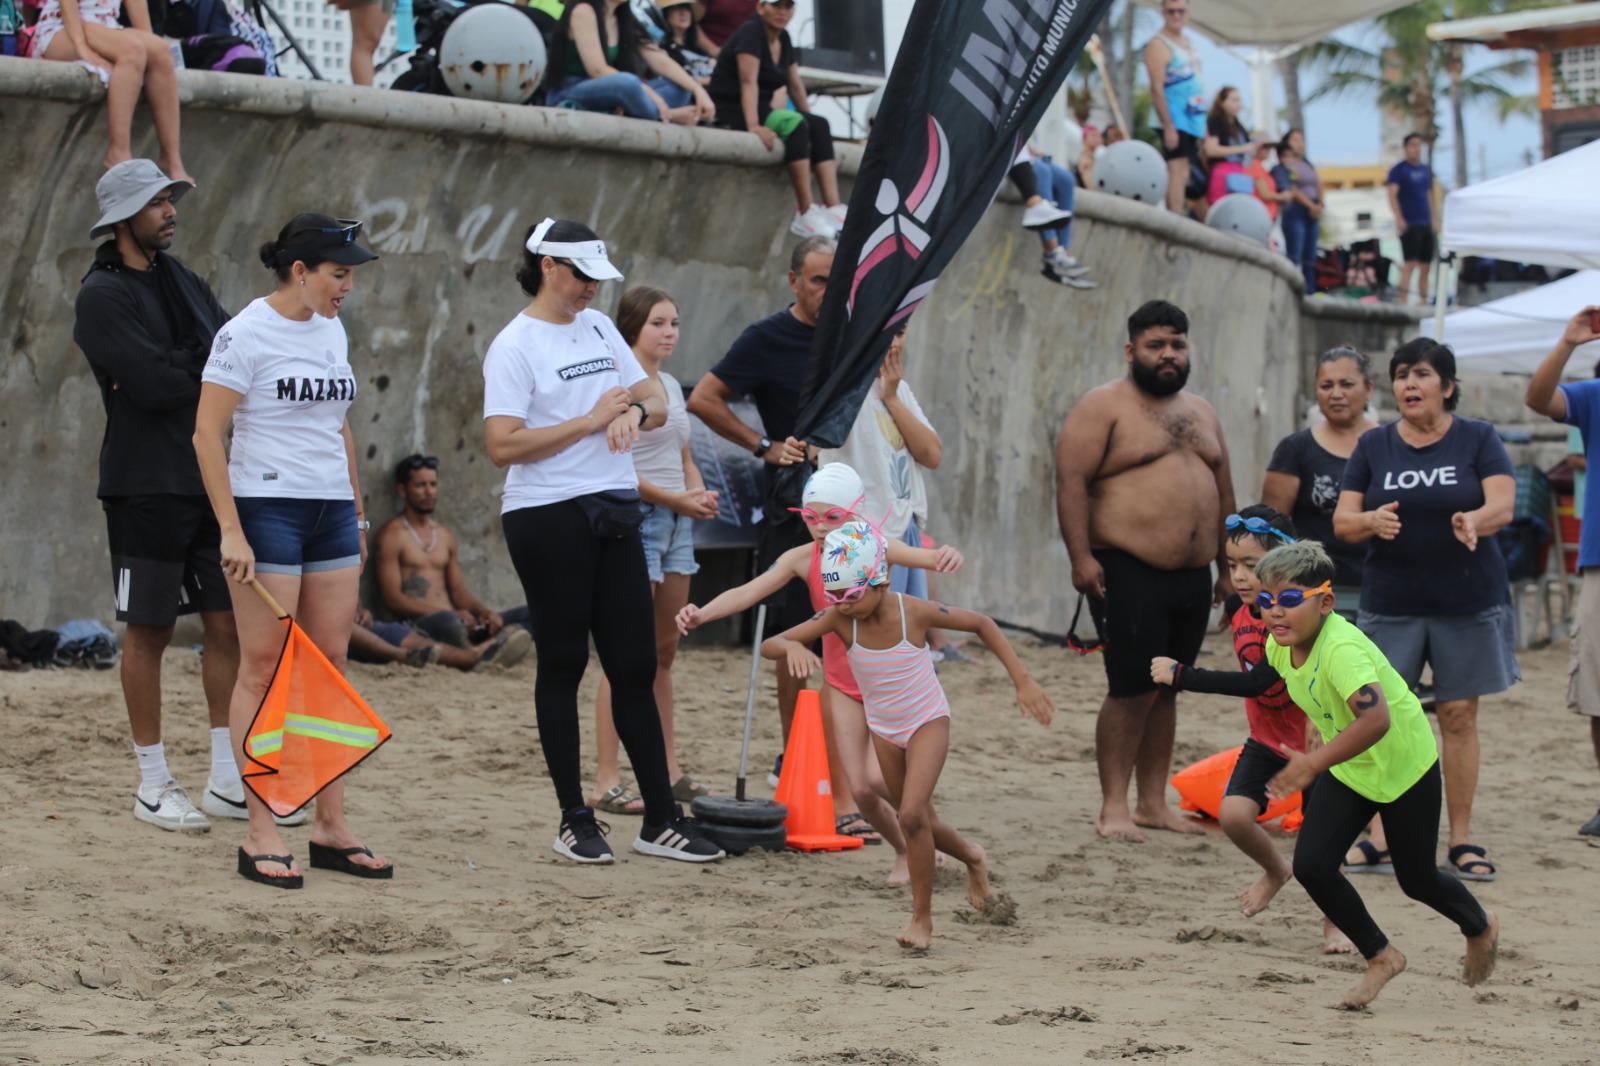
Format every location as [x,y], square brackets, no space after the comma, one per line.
[630,36]
[1412,136]
[1355,355]
[1597,369]
[565,231]
[411,464]
[1273,517]
[271,252]
[1157,313]
[1283,142]
[1439,356]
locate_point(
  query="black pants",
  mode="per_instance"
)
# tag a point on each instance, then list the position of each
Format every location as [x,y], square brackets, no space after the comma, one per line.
[580,585]
[1336,814]
[1024,179]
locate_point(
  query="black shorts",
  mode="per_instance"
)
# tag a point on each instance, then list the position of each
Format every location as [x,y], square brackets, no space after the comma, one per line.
[1417,244]
[1257,765]
[166,558]
[790,605]
[1188,148]
[1149,612]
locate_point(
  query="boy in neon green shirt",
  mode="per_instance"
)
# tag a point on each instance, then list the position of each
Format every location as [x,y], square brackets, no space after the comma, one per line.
[1378,757]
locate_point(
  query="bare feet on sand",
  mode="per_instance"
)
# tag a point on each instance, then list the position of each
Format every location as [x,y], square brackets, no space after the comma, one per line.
[1385,967]
[901,873]
[1254,900]
[1165,817]
[1483,951]
[918,935]
[978,890]
[1334,942]
[1117,825]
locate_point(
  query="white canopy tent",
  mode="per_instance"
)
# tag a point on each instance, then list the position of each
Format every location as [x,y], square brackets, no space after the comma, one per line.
[1514,334]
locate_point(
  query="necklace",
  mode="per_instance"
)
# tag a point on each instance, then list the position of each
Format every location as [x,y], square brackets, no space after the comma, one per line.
[433,538]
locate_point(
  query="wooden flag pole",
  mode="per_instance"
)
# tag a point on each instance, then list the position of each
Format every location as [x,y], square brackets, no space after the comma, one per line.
[1111,93]
[261,591]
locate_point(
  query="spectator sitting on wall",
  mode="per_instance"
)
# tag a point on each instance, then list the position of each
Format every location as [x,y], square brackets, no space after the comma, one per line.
[419,566]
[1093,145]
[606,62]
[126,59]
[723,17]
[1114,134]
[1410,188]
[756,62]
[1267,189]
[1056,186]
[685,41]
[368,20]
[372,641]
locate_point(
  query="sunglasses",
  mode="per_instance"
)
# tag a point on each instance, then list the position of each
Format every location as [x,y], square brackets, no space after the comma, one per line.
[347,230]
[1077,643]
[417,462]
[847,596]
[1173,12]
[580,275]
[1259,526]
[1289,599]
[834,514]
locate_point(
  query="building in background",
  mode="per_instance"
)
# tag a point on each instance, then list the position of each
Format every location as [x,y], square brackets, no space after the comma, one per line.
[324,32]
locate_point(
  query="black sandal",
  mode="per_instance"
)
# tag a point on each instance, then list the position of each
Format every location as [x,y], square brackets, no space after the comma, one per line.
[338,860]
[1374,860]
[1473,869]
[854,825]
[248,871]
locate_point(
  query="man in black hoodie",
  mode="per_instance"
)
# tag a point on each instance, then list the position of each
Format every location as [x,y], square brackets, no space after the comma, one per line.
[145,322]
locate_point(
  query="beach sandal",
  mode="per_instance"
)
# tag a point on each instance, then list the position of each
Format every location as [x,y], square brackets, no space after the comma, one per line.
[1472,869]
[853,825]
[420,657]
[618,800]
[1373,860]
[686,789]
[338,860]
[248,871]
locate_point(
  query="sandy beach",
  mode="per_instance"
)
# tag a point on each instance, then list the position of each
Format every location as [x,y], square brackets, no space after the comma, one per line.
[122,944]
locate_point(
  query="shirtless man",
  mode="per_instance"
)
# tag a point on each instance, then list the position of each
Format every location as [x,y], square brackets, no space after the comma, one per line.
[419,571]
[1142,485]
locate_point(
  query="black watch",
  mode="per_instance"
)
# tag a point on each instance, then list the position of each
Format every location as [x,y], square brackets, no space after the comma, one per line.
[761,449]
[643,414]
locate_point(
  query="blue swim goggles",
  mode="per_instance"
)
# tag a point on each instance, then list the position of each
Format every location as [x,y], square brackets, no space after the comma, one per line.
[1259,526]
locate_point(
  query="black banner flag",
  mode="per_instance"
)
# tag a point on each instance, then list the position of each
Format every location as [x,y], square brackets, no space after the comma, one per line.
[970,82]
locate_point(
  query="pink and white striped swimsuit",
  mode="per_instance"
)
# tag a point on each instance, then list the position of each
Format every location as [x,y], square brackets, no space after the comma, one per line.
[899,689]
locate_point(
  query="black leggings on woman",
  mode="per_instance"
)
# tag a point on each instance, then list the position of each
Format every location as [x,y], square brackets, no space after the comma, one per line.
[578,584]
[1336,814]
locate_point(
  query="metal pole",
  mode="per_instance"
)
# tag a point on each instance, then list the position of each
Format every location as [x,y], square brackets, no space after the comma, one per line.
[1446,261]
[293,43]
[750,697]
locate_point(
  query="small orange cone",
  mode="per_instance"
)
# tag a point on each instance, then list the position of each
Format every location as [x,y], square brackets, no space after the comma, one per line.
[804,787]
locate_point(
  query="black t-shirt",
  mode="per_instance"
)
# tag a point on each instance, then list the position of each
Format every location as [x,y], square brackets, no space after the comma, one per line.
[1228,134]
[768,363]
[1320,473]
[1426,570]
[751,40]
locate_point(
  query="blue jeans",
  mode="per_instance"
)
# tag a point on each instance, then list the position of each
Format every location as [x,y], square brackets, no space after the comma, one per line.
[626,91]
[1300,242]
[1057,185]
[910,580]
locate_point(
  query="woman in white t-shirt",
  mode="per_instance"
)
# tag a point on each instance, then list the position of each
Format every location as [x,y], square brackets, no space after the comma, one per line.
[674,497]
[288,501]
[564,400]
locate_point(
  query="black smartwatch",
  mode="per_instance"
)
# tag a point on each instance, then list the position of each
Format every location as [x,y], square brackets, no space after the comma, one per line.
[643,414]
[761,449]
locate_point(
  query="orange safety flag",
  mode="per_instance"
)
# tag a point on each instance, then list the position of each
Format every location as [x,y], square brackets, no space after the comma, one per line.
[311,728]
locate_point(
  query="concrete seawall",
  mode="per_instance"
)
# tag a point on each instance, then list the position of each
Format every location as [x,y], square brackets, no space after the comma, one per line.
[448,189]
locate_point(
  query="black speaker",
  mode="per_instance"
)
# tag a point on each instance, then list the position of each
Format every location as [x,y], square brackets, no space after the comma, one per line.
[849,36]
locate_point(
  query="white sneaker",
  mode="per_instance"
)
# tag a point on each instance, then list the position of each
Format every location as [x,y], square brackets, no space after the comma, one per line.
[836,215]
[1071,281]
[1043,215]
[1065,264]
[228,802]
[171,810]
[813,222]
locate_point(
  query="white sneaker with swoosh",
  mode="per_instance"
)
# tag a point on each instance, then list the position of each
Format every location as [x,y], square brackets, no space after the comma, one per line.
[228,802]
[170,809]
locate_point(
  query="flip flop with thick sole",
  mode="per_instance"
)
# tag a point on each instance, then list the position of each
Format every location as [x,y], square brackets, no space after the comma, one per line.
[338,860]
[248,871]
[1477,866]
[854,825]
[1376,862]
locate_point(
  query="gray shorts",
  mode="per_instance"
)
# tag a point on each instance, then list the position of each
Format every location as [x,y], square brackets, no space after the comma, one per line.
[1471,654]
[1583,679]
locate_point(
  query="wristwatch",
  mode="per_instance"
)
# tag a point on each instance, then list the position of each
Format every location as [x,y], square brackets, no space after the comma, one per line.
[643,414]
[761,449]
[362,525]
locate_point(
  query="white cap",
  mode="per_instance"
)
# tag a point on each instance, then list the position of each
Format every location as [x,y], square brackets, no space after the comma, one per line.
[835,483]
[588,256]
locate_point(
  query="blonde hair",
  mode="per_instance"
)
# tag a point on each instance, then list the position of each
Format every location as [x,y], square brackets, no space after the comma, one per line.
[1305,562]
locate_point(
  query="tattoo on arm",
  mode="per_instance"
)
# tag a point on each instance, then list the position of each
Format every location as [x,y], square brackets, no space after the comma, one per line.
[818,615]
[943,609]
[1367,697]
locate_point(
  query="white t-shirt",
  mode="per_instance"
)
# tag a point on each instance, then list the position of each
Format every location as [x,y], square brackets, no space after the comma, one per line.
[878,453]
[296,387]
[658,456]
[546,374]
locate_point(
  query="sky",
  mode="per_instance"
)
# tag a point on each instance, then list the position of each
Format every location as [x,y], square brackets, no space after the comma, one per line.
[1339,131]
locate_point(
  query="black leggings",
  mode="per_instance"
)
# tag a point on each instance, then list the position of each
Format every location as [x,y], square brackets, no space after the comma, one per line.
[812,139]
[1336,814]
[1023,177]
[578,584]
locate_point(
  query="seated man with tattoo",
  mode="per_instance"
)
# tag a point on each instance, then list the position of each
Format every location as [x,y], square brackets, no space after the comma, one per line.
[419,568]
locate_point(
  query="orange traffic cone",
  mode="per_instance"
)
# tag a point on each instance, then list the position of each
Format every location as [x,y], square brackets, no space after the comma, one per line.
[804,787]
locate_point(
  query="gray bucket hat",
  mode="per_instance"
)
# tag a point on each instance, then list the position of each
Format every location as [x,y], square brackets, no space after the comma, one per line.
[125,189]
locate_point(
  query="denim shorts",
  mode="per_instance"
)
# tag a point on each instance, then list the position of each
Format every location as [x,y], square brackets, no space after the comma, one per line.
[911,580]
[668,542]
[300,536]
[1471,654]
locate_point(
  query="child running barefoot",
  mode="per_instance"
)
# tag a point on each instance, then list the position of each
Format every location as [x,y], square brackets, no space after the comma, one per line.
[905,707]
[1275,722]
[831,498]
[1378,757]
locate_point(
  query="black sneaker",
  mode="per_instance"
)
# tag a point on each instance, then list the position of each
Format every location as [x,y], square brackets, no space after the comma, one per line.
[581,838]
[1591,828]
[679,839]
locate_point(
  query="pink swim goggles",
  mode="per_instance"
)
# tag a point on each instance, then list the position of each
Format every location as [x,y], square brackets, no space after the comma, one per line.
[833,514]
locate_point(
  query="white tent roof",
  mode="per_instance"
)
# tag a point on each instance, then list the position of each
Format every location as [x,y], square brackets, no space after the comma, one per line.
[1547,214]
[1280,22]
[1514,334]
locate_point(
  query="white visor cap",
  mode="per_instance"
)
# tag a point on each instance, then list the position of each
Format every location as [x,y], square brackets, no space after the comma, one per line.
[588,256]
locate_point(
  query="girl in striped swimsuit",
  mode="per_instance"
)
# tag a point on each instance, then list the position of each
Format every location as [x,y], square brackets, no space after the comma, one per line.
[906,709]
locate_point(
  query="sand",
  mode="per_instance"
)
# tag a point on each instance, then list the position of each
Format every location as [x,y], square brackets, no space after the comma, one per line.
[123,944]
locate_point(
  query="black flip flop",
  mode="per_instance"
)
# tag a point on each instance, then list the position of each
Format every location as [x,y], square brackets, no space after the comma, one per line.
[859,828]
[248,871]
[338,860]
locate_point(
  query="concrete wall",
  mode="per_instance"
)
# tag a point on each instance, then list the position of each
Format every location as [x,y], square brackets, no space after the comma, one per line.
[449,187]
